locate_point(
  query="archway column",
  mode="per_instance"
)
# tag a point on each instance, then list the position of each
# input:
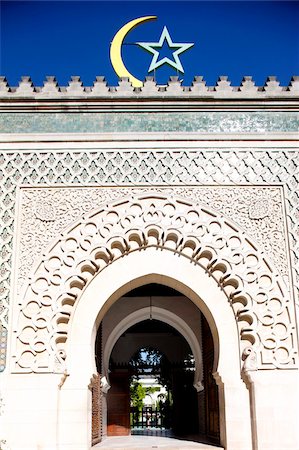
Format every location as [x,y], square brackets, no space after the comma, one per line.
[74,427]
[75,399]
[275,424]
[235,420]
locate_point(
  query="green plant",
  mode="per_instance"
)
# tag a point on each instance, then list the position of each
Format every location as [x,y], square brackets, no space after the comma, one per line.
[138,393]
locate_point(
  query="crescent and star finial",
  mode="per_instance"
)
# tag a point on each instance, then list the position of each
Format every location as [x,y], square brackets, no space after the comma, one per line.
[117,42]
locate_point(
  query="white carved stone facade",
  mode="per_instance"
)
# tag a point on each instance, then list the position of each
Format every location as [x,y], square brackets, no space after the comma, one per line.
[256,292]
[210,205]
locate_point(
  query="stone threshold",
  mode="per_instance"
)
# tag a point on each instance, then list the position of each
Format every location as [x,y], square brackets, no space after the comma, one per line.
[151,442]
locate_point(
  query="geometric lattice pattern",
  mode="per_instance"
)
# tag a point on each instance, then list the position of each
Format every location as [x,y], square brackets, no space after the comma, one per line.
[142,167]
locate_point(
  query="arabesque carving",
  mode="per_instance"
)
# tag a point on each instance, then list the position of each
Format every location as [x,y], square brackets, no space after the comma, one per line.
[55,209]
[254,289]
[174,170]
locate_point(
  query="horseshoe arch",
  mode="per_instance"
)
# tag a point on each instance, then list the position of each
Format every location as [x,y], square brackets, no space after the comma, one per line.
[252,286]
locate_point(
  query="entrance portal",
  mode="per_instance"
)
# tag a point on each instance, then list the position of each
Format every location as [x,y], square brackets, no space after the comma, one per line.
[164,348]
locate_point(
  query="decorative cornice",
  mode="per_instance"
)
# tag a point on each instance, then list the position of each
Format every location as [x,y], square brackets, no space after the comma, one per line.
[174,88]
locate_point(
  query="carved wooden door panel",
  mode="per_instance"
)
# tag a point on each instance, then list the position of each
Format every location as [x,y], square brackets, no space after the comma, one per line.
[118,405]
[96,420]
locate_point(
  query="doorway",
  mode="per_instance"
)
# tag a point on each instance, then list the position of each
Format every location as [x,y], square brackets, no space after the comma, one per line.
[154,357]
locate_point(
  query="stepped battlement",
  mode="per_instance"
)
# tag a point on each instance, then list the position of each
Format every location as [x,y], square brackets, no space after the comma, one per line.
[174,88]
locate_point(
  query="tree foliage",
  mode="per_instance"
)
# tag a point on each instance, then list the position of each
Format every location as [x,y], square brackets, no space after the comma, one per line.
[151,361]
[146,358]
[138,393]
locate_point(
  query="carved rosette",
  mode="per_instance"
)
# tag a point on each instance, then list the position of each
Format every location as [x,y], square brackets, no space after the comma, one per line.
[254,289]
[259,209]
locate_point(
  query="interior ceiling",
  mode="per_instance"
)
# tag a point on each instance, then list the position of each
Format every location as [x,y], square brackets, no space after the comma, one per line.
[152,326]
[153,289]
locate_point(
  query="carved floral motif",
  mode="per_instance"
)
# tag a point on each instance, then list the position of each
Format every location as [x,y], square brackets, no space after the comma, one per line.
[62,206]
[45,211]
[260,209]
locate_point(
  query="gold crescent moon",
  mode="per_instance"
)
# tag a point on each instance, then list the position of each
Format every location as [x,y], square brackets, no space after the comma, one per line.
[115,49]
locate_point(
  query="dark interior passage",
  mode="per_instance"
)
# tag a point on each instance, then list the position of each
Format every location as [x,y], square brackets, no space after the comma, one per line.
[184,410]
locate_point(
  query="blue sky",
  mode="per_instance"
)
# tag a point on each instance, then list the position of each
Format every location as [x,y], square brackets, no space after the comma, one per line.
[65,38]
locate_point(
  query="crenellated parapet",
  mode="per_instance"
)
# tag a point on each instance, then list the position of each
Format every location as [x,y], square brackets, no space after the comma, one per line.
[174,88]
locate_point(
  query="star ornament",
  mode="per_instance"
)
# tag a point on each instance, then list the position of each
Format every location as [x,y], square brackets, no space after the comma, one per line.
[151,47]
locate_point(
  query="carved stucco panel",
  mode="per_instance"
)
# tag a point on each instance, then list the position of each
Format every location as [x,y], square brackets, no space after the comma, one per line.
[254,288]
[175,167]
[46,212]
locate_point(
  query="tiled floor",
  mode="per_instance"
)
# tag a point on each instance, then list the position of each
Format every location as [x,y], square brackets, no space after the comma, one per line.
[151,439]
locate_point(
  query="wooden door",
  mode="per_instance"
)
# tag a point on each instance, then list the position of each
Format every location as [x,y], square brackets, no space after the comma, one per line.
[118,405]
[210,386]
[96,409]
